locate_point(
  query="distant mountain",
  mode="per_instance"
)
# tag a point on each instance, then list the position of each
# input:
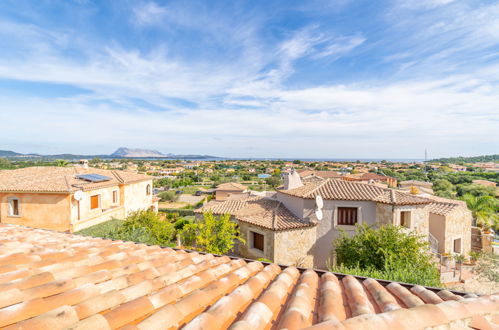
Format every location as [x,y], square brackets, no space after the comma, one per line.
[132,153]
[8,153]
[119,153]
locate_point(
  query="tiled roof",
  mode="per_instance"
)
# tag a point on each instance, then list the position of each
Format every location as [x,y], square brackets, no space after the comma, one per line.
[323,174]
[354,191]
[444,206]
[231,186]
[61,179]
[260,211]
[52,280]
[374,176]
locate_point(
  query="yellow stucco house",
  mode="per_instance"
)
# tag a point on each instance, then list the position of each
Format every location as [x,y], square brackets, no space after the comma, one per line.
[71,198]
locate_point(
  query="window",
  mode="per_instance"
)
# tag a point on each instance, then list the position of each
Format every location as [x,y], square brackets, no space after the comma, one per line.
[148,189]
[14,207]
[115,196]
[457,245]
[94,202]
[258,241]
[347,216]
[405,219]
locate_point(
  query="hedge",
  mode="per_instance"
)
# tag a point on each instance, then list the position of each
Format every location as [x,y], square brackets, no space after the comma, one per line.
[181,212]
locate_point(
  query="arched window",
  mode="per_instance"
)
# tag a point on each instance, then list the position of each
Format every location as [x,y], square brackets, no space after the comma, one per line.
[148,189]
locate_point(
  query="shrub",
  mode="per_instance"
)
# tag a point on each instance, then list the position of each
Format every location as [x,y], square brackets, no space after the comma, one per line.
[180,223]
[388,250]
[146,227]
[180,212]
[168,196]
[211,234]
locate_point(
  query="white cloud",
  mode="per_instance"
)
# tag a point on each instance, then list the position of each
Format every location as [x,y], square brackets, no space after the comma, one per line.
[244,100]
[149,13]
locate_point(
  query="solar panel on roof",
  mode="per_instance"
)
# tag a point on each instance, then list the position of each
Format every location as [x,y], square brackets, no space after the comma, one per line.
[93,177]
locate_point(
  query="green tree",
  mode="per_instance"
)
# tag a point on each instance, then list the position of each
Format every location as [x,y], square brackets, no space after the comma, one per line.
[146,227]
[212,234]
[61,163]
[273,181]
[484,210]
[475,190]
[443,188]
[389,251]
[168,196]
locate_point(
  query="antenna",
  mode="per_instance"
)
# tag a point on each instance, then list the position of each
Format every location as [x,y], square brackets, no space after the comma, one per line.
[319,203]
[425,160]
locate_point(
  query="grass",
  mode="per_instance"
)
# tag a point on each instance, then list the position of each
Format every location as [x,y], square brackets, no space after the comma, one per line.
[104,229]
[405,275]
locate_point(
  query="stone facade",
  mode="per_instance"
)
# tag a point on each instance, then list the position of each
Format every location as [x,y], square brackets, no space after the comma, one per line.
[295,247]
[245,249]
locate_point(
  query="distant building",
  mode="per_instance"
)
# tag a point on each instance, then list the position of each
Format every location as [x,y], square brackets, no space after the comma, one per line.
[424,187]
[486,183]
[225,191]
[71,198]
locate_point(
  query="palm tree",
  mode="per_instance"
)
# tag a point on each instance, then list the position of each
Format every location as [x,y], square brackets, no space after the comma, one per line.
[61,162]
[483,209]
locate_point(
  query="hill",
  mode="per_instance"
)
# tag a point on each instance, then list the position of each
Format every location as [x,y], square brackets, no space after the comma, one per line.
[475,159]
[129,152]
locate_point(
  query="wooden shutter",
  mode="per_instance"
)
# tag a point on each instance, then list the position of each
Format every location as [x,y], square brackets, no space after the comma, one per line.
[258,242]
[94,202]
[115,196]
[347,216]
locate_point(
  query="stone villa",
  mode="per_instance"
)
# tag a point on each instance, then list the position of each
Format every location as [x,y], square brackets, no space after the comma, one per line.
[71,198]
[298,224]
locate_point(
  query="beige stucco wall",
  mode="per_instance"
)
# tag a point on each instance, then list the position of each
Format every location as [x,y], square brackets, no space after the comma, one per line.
[292,203]
[47,211]
[60,211]
[327,230]
[437,229]
[136,197]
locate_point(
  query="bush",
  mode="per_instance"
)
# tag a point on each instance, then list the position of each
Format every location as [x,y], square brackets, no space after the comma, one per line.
[388,251]
[211,234]
[147,226]
[180,212]
[168,196]
[180,223]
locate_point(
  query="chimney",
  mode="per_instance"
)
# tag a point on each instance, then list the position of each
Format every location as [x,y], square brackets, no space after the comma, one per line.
[292,180]
[83,163]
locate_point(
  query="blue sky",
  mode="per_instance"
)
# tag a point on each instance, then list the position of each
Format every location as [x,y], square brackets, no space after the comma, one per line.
[328,79]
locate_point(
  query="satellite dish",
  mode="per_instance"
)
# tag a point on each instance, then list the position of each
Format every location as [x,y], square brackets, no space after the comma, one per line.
[318,214]
[319,202]
[78,195]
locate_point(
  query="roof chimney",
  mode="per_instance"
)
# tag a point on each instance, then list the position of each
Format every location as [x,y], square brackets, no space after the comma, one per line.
[292,180]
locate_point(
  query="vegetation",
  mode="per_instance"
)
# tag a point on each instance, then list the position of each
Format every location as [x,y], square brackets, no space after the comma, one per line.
[140,226]
[387,252]
[484,210]
[476,159]
[212,234]
[168,196]
[488,266]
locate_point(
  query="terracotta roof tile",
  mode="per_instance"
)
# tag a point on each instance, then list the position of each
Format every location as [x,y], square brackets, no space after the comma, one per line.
[231,186]
[61,179]
[260,211]
[134,286]
[354,191]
